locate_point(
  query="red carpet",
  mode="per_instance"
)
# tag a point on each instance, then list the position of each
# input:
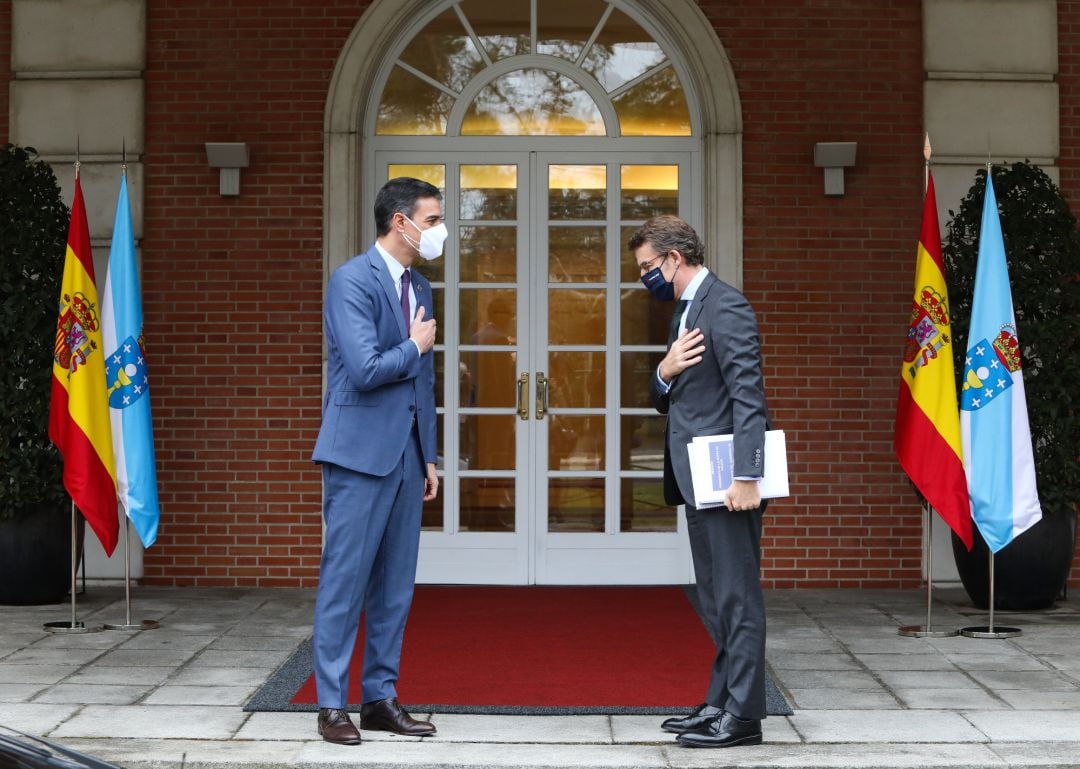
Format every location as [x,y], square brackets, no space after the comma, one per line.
[558,647]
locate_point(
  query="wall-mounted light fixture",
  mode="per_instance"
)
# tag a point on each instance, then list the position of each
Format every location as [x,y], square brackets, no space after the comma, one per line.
[834,157]
[230,157]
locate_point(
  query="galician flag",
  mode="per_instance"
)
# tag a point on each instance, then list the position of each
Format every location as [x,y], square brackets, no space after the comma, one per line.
[79,405]
[927,433]
[993,418]
[127,380]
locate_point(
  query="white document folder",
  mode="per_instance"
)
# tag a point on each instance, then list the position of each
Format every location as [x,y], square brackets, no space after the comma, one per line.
[712,459]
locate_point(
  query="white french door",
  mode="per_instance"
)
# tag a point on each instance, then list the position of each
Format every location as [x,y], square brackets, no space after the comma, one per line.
[551,455]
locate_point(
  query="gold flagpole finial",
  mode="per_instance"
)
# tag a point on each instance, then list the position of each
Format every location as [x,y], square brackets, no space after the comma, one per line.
[926,148]
[77,163]
[123,163]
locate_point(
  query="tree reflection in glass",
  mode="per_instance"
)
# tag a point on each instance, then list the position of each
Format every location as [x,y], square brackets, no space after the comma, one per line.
[533,102]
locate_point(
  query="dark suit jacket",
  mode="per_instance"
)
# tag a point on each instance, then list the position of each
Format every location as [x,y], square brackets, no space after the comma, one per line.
[376,382]
[724,393]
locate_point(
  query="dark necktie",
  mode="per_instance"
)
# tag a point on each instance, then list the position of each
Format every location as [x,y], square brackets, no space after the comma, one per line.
[680,308]
[405,280]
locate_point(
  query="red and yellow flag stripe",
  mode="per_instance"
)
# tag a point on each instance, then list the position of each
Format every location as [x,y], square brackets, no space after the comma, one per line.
[79,407]
[927,436]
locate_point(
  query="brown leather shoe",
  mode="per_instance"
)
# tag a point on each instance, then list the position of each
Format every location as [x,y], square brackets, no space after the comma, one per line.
[388,716]
[335,726]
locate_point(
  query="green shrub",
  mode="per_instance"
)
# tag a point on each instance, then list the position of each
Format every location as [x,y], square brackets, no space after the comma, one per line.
[33,237]
[1042,247]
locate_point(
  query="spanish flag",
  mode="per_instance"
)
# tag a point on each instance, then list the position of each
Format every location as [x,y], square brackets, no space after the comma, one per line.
[79,409]
[927,437]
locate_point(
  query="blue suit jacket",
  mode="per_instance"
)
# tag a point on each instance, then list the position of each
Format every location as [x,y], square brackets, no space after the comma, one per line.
[376,379]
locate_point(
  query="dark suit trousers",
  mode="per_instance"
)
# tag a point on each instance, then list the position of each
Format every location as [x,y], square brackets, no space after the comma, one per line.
[726,548]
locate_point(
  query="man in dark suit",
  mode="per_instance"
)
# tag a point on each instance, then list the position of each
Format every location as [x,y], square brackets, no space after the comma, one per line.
[710,383]
[377,448]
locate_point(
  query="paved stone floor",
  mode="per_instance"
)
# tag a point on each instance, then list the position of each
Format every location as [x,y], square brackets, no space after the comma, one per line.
[863,695]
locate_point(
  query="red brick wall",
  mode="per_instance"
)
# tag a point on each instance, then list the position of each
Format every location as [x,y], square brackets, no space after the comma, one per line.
[233,286]
[1069,100]
[831,277]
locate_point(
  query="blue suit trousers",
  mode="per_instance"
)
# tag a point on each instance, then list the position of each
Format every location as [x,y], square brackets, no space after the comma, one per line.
[368,563]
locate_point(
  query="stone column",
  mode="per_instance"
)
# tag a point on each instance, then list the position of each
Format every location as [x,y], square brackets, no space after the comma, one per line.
[78,81]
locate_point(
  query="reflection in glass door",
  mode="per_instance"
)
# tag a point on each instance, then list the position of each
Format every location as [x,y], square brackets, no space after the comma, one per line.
[601,518]
[552,456]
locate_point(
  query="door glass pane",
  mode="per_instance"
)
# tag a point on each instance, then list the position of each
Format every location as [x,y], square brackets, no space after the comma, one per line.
[411,107]
[648,191]
[645,320]
[488,254]
[487,441]
[489,192]
[577,192]
[577,380]
[487,504]
[502,25]
[628,269]
[431,516]
[564,26]
[642,506]
[487,379]
[576,316]
[577,254]
[637,369]
[435,272]
[576,442]
[533,102]
[437,302]
[654,107]
[575,504]
[440,359]
[432,173]
[444,51]
[622,51]
[488,315]
[642,442]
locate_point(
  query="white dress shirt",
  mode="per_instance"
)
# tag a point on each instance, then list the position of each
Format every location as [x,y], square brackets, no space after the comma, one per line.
[396,270]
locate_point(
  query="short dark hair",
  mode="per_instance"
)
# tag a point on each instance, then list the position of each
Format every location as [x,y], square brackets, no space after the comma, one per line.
[399,196]
[670,233]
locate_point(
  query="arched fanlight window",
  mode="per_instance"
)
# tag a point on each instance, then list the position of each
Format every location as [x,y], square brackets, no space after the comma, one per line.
[533,68]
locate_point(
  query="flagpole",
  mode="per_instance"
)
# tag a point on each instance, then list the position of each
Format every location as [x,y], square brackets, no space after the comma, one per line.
[989,631]
[74,625]
[927,630]
[146,624]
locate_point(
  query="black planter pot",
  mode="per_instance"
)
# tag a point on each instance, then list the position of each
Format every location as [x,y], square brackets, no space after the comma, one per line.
[35,557]
[1029,573]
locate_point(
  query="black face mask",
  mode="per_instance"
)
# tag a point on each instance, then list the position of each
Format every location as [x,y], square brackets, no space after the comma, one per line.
[659,286]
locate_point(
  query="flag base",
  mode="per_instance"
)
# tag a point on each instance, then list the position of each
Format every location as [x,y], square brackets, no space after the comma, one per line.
[70,627]
[922,631]
[990,631]
[146,624]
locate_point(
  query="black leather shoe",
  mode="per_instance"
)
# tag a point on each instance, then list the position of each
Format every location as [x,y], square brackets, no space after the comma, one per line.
[701,715]
[335,726]
[723,731]
[388,716]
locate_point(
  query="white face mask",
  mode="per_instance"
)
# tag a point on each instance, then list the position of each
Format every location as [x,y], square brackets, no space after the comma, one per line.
[431,240]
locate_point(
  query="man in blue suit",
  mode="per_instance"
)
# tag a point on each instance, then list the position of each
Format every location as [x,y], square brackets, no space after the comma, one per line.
[377,448]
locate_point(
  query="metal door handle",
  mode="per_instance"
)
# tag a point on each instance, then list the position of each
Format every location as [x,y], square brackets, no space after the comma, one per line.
[541,394]
[523,395]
